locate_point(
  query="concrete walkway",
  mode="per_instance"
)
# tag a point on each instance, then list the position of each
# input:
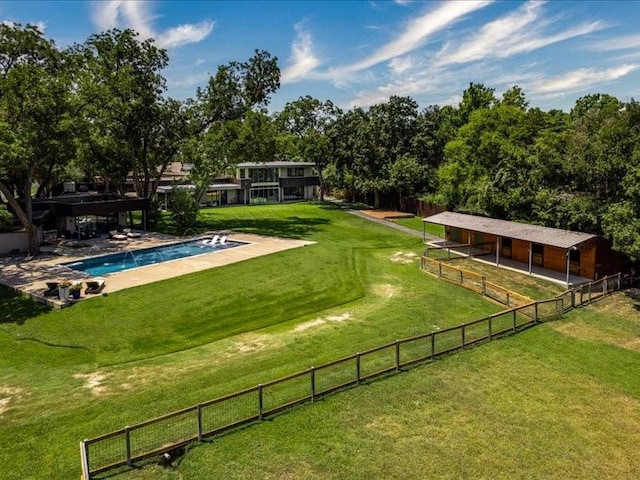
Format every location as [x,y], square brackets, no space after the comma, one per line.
[29,275]
[388,223]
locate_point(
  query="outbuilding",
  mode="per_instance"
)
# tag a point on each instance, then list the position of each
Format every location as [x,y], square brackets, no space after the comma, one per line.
[576,253]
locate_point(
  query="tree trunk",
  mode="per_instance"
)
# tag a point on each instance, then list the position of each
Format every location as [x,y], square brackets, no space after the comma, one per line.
[24,217]
[376,199]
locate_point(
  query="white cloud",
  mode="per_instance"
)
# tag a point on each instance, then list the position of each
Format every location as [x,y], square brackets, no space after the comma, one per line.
[303,61]
[188,80]
[184,34]
[138,16]
[105,14]
[40,24]
[416,33]
[517,32]
[401,65]
[581,79]
[617,43]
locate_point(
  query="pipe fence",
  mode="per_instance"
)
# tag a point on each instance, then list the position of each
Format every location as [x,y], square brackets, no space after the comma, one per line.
[154,437]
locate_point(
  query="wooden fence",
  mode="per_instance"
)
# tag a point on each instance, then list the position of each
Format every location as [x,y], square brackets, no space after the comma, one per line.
[154,437]
[473,281]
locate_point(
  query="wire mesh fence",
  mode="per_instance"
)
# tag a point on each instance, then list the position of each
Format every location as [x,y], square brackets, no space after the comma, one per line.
[162,434]
[473,281]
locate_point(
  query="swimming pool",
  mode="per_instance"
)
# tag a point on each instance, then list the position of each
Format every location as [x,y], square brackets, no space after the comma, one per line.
[118,262]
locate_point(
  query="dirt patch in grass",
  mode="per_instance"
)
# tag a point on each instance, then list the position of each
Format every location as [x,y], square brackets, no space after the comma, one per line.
[10,392]
[250,346]
[323,321]
[385,214]
[93,381]
[385,290]
[583,331]
[403,257]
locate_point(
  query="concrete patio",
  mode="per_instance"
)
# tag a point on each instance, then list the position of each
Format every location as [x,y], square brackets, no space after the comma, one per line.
[537,272]
[30,275]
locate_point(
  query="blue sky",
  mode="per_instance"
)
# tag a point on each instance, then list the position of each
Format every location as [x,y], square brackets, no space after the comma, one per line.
[361,52]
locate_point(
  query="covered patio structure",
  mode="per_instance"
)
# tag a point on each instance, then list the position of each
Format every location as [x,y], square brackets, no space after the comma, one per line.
[552,253]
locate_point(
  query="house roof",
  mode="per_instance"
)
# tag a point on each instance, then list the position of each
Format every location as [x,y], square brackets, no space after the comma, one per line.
[554,237]
[275,164]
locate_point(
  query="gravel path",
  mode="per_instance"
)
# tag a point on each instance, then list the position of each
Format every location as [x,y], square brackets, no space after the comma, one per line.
[391,224]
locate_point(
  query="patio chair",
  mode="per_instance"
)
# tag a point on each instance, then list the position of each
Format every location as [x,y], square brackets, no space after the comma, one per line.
[211,241]
[95,285]
[223,240]
[52,289]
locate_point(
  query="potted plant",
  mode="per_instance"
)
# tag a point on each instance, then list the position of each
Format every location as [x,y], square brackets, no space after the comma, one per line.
[63,289]
[75,290]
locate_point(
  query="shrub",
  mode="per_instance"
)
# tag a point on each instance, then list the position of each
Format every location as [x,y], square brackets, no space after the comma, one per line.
[6,218]
[184,209]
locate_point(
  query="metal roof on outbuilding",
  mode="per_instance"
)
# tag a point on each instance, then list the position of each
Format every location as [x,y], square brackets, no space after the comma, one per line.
[554,237]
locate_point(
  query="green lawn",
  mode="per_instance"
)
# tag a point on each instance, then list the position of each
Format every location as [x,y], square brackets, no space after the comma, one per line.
[417,224]
[157,348]
[558,401]
[561,400]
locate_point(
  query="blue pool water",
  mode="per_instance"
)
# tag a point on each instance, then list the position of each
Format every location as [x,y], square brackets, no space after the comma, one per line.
[117,262]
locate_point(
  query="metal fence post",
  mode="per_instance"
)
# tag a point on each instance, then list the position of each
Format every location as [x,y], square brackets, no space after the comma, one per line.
[358,368]
[507,299]
[397,355]
[535,310]
[127,445]
[605,284]
[514,320]
[461,278]
[312,373]
[84,460]
[439,269]
[490,327]
[589,291]
[260,402]
[199,419]
[619,281]
[484,287]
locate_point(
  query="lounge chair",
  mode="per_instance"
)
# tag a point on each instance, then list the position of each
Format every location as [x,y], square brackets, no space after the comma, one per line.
[223,240]
[95,285]
[52,289]
[211,241]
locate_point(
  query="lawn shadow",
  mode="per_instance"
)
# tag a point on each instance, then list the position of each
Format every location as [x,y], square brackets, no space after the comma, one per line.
[16,308]
[290,227]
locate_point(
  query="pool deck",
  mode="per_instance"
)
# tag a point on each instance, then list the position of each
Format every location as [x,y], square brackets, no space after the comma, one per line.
[29,275]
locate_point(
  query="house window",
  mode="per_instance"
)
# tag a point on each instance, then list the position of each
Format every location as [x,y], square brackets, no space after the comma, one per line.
[295,172]
[243,173]
[263,175]
[293,193]
[537,254]
[264,195]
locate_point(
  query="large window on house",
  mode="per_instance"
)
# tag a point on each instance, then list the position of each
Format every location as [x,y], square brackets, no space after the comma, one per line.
[264,195]
[293,193]
[295,172]
[263,175]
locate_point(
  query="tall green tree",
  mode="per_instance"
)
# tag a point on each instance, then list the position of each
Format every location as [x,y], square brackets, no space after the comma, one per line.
[307,120]
[129,126]
[237,93]
[36,128]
